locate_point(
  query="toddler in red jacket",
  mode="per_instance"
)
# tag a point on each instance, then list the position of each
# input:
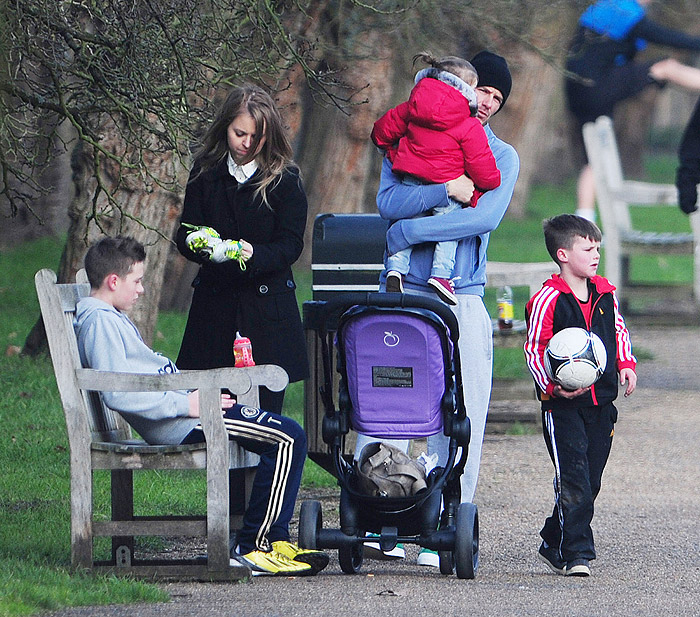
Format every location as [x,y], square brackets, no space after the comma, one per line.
[435,137]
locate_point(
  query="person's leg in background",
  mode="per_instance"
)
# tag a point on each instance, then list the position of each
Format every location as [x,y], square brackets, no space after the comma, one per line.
[585,194]
[476,353]
[271,401]
[688,172]
[620,83]
[372,550]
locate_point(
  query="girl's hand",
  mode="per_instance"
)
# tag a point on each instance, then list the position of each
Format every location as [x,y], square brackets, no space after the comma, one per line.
[246,250]
[230,250]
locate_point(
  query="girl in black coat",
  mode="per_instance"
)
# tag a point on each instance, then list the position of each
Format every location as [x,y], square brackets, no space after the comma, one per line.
[245,189]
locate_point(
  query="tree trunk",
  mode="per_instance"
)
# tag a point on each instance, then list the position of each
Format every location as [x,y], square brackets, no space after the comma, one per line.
[176,292]
[336,146]
[48,209]
[142,208]
[529,119]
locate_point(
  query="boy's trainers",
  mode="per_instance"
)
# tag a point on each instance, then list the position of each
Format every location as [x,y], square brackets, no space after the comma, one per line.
[372,551]
[316,559]
[551,557]
[273,564]
[394,282]
[444,288]
[427,557]
[578,567]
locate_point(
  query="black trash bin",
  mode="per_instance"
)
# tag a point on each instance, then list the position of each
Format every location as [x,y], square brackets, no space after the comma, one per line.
[347,255]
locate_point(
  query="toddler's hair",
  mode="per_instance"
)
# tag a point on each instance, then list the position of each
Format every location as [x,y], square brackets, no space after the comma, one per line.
[561,231]
[452,64]
[112,256]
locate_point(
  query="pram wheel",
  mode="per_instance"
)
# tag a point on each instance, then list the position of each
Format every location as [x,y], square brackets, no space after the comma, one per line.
[350,558]
[310,523]
[466,553]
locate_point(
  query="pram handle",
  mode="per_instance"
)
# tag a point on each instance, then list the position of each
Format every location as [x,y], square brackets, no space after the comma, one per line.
[393,300]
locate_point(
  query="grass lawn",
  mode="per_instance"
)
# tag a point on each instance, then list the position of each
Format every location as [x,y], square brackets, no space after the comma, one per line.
[34,481]
[34,476]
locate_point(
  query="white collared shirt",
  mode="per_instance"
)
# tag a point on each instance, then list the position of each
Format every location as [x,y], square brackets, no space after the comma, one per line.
[241,172]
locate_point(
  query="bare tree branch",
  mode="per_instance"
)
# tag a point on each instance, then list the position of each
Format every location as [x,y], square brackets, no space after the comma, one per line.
[147,68]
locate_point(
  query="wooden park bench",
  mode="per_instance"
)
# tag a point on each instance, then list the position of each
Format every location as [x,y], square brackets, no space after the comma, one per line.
[100,439]
[622,239]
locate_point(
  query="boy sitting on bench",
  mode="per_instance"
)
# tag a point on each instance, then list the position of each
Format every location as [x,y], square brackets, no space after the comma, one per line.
[109,341]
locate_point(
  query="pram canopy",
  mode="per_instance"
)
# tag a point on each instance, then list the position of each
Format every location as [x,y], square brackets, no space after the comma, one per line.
[398,367]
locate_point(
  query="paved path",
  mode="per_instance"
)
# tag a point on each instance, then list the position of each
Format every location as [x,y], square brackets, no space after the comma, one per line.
[647,528]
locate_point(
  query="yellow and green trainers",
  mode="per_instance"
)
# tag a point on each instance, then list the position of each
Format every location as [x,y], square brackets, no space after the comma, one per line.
[317,560]
[273,564]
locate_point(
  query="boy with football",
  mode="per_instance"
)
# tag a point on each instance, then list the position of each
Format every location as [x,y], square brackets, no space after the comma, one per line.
[109,341]
[578,425]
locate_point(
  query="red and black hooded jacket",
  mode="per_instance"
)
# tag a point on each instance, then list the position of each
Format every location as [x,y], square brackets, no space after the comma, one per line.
[555,307]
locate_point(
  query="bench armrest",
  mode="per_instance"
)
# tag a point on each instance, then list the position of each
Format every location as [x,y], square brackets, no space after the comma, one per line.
[208,382]
[236,380]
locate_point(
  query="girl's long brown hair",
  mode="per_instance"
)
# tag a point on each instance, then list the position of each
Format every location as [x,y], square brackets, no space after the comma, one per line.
[275,155]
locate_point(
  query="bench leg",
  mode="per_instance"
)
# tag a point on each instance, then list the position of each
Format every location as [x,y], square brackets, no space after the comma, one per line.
[241,486]
[81,508]
[122,510]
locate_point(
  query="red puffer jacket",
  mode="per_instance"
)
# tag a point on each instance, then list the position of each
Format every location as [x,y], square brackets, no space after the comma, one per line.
[433,137]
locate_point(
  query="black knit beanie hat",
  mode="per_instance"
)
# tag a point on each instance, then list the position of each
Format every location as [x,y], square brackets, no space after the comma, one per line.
[493,71]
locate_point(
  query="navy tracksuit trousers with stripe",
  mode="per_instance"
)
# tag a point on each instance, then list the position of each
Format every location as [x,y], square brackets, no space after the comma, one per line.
[579,442]
[281,444]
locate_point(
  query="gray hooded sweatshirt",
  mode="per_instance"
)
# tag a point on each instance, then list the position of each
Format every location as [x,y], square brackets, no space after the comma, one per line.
[109,341]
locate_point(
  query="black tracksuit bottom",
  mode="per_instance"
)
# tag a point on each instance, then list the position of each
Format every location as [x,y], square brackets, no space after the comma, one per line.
[579,442]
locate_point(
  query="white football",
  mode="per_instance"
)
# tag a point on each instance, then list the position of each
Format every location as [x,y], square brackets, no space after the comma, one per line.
[575,358]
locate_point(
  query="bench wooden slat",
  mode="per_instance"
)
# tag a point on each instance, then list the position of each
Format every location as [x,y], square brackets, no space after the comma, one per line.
[161,527]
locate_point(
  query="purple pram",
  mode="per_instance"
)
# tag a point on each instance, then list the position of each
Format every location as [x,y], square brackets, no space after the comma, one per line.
[395,369]
[400,378]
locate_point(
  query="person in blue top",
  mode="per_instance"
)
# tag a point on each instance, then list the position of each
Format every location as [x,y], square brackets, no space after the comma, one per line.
[470,227]
[603,70]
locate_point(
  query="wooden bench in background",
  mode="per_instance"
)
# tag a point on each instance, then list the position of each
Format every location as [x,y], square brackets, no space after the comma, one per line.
[347,256]
[622,240]
[101,440]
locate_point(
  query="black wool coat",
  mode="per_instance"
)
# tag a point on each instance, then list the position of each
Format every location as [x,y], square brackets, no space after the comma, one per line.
[260,301]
